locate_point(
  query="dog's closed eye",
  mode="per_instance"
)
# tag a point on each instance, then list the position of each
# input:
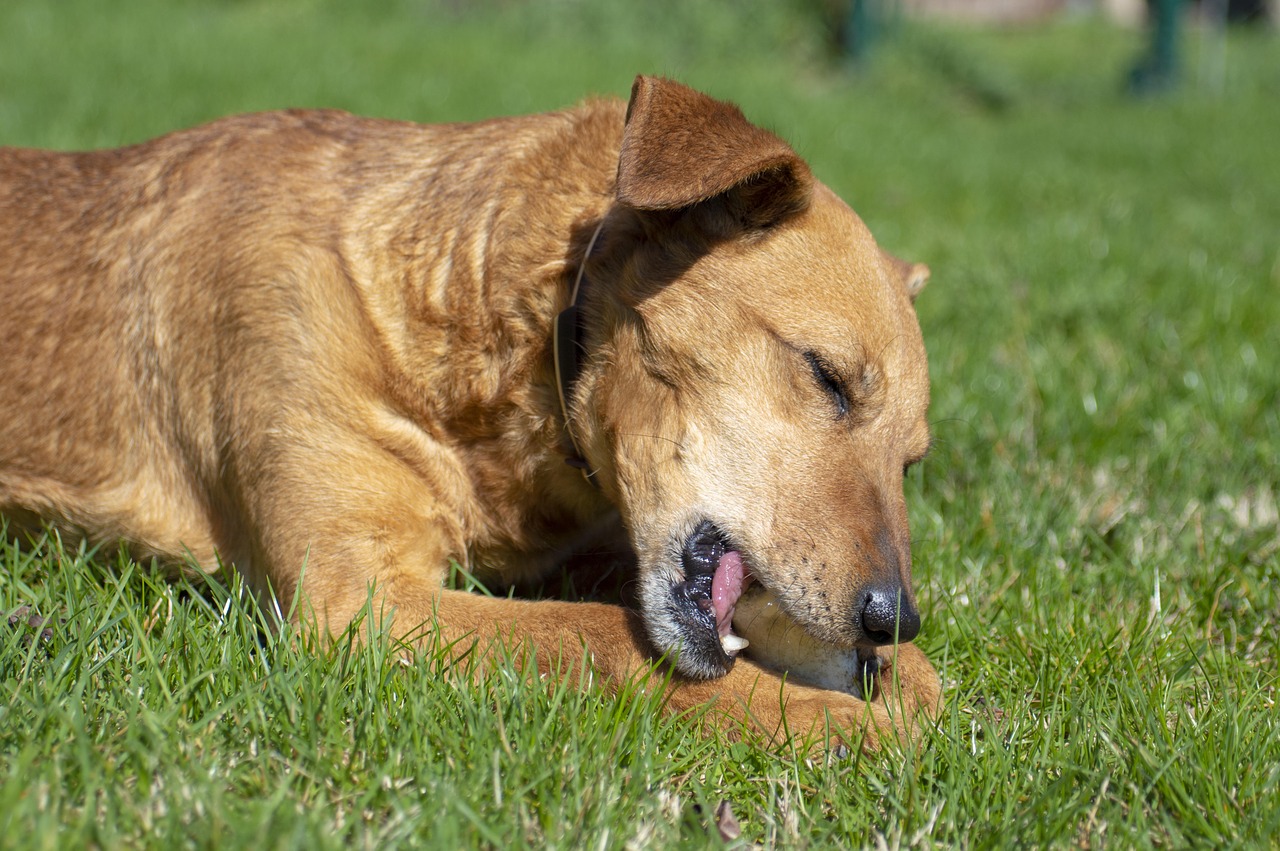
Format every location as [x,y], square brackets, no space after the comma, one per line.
[830,381]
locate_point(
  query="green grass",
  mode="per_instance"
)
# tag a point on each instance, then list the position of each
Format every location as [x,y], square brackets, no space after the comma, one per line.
[1096,531]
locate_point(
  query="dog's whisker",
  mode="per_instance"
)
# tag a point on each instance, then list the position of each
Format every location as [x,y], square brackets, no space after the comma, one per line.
[672,441]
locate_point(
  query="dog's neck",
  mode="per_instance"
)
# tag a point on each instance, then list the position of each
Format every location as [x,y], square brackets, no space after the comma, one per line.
[566,347]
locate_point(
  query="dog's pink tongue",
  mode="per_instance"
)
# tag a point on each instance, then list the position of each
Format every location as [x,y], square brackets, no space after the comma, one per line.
[726,588]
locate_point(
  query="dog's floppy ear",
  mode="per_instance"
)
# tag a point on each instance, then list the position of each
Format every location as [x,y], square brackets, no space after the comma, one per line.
[681,147]
[912,276]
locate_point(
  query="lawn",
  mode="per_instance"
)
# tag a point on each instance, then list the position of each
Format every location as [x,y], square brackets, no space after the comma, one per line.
[1096,539]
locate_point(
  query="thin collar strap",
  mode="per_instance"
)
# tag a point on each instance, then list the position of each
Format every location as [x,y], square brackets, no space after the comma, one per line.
[566,348]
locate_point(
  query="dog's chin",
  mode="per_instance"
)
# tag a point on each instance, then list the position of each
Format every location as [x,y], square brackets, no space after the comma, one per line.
[689,610]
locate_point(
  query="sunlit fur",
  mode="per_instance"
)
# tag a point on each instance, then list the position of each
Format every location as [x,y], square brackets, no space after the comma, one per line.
[317,347]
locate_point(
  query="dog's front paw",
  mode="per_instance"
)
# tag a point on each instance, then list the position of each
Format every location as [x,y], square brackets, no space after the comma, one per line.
[895,712]
[907,682]
[778,709]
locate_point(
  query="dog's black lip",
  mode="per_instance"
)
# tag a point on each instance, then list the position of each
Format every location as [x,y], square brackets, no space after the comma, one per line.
[690,606]
[870,668]
[702,551]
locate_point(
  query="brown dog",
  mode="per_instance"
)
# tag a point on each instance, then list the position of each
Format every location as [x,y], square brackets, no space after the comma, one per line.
[307,339]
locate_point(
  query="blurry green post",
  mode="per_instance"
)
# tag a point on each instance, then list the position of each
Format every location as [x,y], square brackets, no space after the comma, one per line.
[863,23]
[1158,70]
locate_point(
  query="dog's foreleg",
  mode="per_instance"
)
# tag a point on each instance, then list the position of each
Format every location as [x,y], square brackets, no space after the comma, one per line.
[591,641]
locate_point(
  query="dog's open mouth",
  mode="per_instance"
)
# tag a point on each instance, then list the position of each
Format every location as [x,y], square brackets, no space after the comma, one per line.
[715,577]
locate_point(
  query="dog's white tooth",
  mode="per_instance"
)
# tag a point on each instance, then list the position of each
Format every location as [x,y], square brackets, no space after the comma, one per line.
[733,643]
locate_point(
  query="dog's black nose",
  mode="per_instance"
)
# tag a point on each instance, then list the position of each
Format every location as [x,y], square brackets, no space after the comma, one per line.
[888,616]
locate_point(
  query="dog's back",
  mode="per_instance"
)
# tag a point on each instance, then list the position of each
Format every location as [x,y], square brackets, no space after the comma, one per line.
[142,285]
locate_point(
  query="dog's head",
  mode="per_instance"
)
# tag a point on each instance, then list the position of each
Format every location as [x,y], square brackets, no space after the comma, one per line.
[757,385]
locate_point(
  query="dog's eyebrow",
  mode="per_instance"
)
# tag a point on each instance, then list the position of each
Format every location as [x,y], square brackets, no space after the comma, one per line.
[858,371]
